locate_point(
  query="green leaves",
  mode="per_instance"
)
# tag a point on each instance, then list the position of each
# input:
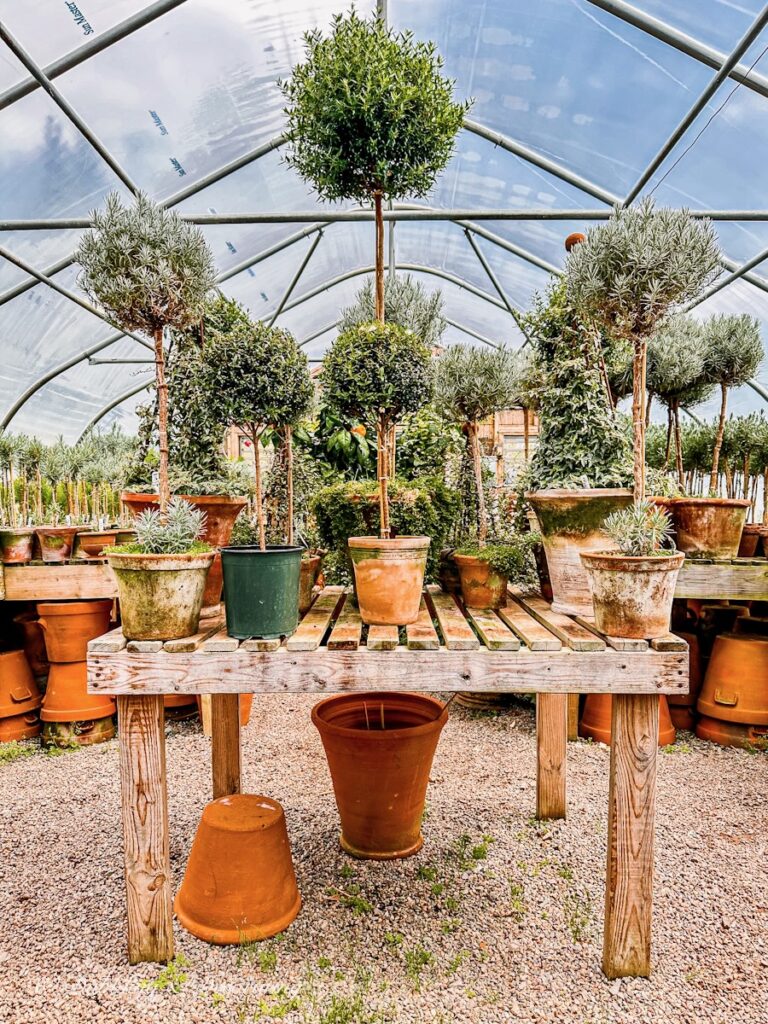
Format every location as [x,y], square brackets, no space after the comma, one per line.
[406,303]
[172,533]
[733,349]
[642,529]
[472,383]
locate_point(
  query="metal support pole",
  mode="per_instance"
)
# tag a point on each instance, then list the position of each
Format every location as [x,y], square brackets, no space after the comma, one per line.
[121,362]
[471,332]
[297,276]
[729,278]
[317,334]
[515,313]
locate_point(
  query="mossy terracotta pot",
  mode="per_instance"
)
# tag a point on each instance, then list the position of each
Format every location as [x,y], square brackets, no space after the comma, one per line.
[732,734]
[261,590]
[481,587]
[16,545]
[632,597]
[33,642]
[595,723]
[736,682]
[709,527]
[160,595]
[91,543]
[19,727]
[220,515]
[18,690]
[240,885]
[69,625]
[81,734]
[67,698]
[56,542]
[571,522]
[389,578]
[380,747]
[310,570]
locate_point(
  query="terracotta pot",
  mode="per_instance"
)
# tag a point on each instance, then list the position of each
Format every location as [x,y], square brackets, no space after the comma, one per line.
[477,701]
[220,516]
[56,542]
[571,521]
[34,642]
[66,697]
[380,775]
[69,625]
[180,706]
[448,572]
[19,727]
[91,543]
[18,689]
[751,536]
[756,625]
[683,717]
[736,682]
[310,568]
[481,587]
[246,704]
[16,545]
[81,734]
[126,537]
[732,734]
[160,595]
[709,527]
[239,884]
[389,577]
[595,723]
[632,597]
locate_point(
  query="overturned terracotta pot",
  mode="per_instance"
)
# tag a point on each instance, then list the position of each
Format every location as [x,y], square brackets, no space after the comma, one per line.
[34,643]
[69,625]
[16,545]
[709,527]
[632,597]
[736,682]
[732,734]
[389,577]
[67,699]
[81,734]
[56,542]
[595,721]
[481,587]
[18,690]
[239,885]
[19,727]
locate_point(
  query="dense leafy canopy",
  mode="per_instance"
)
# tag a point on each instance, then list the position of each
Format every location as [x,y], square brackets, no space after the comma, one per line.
[472,383]
[734,349]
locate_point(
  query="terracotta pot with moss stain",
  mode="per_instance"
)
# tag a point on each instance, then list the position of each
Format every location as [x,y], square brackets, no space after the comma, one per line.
[310,569]
[732,734]
[220,515]
[389,578]
[67,698]
[91,543]
[380,747]
[78,734]
[69,625]
[19,727]
[161,596]
[239,884]
[16,545]
[632,596]
[736,682]
[595,722]
[749,544]
[56,542]
[18,689]
[571,521]
[481,586]
[709,527]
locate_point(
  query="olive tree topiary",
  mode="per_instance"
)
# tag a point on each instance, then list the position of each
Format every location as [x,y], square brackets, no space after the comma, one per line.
[628,276]
[149,270]
[257,377]
[407,303]
[733,354]
[370,117]
[383,371]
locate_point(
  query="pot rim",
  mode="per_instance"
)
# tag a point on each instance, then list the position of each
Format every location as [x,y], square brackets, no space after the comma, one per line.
[618,560]
[198,499]
[323,725]
[579,492]
[100,533]
[26,531]
[191,560]
[76,607]
[254,549]
[717,502]
[58,529]
[390,543]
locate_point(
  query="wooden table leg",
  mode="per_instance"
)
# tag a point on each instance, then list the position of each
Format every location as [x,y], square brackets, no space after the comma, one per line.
[144,808]
[573,716]
[225,743]
[551,715]
[631,808]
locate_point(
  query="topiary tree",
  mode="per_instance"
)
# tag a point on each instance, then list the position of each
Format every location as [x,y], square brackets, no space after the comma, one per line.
[149,270]
[471,384]
[370,117]
[379,370]
[257,377]
[628,276]
[406,303]
[733,352]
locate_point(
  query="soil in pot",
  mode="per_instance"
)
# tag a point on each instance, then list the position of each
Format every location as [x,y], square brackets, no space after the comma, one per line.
[69,625]
[56,542]
[261,590]
[160,595]
[389,578]
[571,522]
[481,586]
[310,570]
[595,723]
[16,545]
[632,596]
[380,747]
[709,527]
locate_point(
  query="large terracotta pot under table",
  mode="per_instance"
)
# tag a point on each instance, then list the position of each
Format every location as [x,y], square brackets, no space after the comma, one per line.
[220,516]
[709,527]
[19,693]
[595,721]
[67,698]
[732,734]
[19,727]
[736,683]
[69,625]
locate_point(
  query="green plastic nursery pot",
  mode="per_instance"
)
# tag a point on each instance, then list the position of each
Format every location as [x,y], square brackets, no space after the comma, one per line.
[261,590]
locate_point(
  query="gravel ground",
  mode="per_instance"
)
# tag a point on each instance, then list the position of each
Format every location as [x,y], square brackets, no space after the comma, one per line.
[504,925]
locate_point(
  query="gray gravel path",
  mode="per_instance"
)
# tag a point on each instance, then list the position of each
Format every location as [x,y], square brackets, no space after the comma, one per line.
[498,919]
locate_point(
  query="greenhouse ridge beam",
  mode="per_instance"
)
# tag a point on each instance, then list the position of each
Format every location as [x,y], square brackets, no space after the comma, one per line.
[681,41]
[93,46]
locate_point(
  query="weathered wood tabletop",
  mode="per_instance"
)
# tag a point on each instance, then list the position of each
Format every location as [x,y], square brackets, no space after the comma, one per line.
[75,579]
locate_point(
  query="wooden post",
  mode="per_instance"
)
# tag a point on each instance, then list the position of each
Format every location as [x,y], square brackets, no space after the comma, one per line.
[631,807]
[225,743]
[551,714]
[144,809]
[573,716]
[205,714]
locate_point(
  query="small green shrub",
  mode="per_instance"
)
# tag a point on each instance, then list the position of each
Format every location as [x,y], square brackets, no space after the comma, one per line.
[512,559]
[173,533]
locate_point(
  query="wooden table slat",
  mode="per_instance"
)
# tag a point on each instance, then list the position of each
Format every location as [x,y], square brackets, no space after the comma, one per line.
[110,643]
[421,635]
[347,630]
[191,643]
[571,633]
[144,646]
[457,633]
[383,638]
[313,626]
[495,634]
[670,642]
[535,636]
[220,643]
[618,643]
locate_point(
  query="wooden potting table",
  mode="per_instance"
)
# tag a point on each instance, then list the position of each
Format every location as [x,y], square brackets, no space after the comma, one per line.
[77,578]
[524,648]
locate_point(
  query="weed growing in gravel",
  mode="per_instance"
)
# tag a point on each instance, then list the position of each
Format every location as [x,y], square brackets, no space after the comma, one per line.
[451,925]
[415,962]
[58,750]
[393,939]
[457,961]
[426,873]
[278,1004]
[517,901]
[566,872]
[171,978]
[347,871]
[323,963]
[451,904]
[467,854]
[578,915]
[252,951]
[14,751]
[677,748]
[217,999]
[352,899]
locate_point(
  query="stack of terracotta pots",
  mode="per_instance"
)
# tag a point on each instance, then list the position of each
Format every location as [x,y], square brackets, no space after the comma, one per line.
[734,698]
[70,714]
[19,698]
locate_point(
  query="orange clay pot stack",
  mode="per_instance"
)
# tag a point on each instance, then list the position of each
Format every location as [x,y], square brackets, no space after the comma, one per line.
[595,721]
[70,714]
[19,698]
[734,698]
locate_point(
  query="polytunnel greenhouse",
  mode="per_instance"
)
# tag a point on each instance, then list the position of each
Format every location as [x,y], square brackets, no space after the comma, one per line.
[383,388]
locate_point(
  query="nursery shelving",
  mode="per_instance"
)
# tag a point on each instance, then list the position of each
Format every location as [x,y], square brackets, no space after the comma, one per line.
[727,579]
[75,579]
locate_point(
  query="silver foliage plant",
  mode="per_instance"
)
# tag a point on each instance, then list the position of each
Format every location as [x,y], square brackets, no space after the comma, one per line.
[406,303]
[642,530]
[171,534]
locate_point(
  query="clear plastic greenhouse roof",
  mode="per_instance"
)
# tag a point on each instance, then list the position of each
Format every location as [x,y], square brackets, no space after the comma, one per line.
[575,101]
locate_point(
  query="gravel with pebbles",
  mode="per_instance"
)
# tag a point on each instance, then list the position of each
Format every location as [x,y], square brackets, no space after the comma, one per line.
[497,919]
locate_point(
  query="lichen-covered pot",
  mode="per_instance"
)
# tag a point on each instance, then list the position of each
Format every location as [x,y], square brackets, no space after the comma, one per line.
[709,527]
[56,542]
[389,576]
[481,587]
[632,596]
[91,543]
[16,545]
[160,595]
[570,521]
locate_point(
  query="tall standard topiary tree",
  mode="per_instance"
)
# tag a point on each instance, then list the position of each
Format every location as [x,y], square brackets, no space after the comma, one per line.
[370,118]
[149,270]
[733,352]
[406,303]
[629,274]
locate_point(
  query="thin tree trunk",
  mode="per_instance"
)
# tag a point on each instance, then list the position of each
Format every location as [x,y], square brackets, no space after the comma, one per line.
[638,419]
[289,481]
[527,434]
[256,442]
[162,419]
[39,495]
[14,522]
[668,448]
[745,477]
[728,480]
[718,439]
[679,447]
[382,471]
[648,405]
[482,515]
[377,200]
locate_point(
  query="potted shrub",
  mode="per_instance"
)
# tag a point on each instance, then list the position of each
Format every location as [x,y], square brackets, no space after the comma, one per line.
[383,371]
[161,575]
[257,378]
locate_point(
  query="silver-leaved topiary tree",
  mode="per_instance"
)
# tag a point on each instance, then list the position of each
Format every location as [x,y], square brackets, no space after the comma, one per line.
[407,303]
[148,270]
